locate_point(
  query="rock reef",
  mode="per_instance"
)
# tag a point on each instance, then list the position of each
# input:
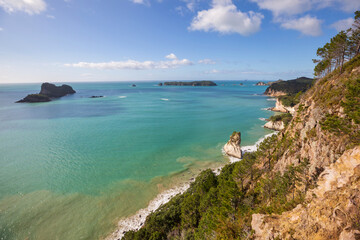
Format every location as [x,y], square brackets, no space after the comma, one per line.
[48,92]
[232,147]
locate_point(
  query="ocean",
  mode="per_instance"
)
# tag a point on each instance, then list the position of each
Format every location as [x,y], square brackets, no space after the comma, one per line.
[73,167]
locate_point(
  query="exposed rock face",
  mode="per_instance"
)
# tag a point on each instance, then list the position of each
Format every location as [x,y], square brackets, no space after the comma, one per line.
[53,91]
[48,91]
[332,211]
[277,126]
[279,107]
[34,98]
[160,84]
[232,147]
[289,87]
[194,83]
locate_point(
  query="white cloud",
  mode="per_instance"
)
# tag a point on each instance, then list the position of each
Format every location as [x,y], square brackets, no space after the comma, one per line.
[145,2]
[50,16]
[29,6]
[206,61]
[224,17]
[284,7]
[294,7]
[1,29]
[343,24]
[134,65]
[171,56]
[307,25]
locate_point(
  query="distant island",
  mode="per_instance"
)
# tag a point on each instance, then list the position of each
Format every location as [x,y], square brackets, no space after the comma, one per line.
[48,92]
[194,83]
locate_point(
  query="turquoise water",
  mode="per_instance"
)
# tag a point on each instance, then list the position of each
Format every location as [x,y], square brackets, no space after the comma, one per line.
[72,167]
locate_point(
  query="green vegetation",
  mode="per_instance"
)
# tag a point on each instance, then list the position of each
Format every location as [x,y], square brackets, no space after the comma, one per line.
[291,87]
[341,48]
[290,100]
[220,207]
[347,125]
[285,118]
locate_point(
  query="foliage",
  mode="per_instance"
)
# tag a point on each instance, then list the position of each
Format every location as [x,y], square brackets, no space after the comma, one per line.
[291,87]
[285,118]
[341,48]
[290,100]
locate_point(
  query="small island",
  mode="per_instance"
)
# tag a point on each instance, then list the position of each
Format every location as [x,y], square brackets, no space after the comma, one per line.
[48,92]
[289,87]
[260,84]
[194,83]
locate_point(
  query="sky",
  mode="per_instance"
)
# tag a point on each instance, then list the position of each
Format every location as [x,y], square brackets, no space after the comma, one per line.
[158,40]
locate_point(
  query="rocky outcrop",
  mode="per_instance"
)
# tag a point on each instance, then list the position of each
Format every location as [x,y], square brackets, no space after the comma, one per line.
[279,107]
[260,84]
[96,96]
[232,147]
[331,210]
[52,91]
[277,126]
[34,98]
[160,84]
[194,83]
[289,87]
[47,93]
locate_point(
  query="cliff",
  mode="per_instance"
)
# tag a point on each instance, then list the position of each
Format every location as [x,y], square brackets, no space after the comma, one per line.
[331,210]
[289,87]
[194,83]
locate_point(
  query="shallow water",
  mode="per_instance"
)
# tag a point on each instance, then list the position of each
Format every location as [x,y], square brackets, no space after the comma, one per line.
[72,167]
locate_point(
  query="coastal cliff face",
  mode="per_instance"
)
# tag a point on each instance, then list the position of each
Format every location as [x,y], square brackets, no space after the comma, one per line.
[279,107]
[323,128]
[232,147]
[331,211]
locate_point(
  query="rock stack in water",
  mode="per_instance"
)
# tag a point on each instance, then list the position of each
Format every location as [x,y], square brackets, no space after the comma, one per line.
[47,93]
[232,147]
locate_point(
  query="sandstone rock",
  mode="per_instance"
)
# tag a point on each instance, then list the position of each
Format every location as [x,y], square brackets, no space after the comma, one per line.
[331,211]
[232,147]
[279,107]
[277,126]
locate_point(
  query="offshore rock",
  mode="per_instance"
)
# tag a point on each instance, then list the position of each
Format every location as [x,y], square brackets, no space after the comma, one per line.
[232,147]
[48,91]
[53,91]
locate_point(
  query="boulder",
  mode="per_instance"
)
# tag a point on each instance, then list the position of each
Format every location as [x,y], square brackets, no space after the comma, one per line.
[232,147]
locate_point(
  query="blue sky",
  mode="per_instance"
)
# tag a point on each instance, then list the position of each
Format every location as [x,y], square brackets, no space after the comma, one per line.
[128,40]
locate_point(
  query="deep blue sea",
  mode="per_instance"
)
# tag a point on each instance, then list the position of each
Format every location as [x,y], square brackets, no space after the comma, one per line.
[71,168]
